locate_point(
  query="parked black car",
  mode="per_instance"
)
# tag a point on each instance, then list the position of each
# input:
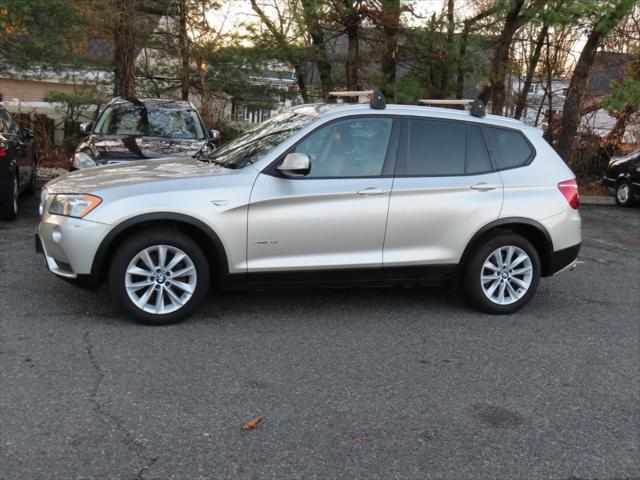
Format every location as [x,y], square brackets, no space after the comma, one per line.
[136,129]
[623,178]
[17,165]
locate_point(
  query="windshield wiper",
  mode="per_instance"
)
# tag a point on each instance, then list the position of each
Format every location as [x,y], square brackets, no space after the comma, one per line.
[204,158]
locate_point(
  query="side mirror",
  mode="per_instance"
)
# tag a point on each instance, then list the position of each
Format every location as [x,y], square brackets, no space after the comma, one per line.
[295,165]
[214,135]
[85,128]
[27,133]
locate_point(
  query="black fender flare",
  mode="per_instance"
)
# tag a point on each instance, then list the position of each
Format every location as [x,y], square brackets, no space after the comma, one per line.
[107,242]
[547,248]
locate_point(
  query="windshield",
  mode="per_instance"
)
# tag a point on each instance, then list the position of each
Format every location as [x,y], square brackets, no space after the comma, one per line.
[150,121]
[255,144]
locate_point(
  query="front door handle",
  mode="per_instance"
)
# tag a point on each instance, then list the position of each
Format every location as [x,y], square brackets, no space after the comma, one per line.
[371,191]
[484,187]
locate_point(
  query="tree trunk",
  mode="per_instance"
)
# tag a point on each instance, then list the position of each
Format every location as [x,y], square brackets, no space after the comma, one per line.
[549,134]
[444,73]
[353,49]
[531,68]
[615,136]
[495,91]
[124,50]
[576,93]
[206,109]
[464,37]
[302,86]
[183,40]
[391,28]
[312,22]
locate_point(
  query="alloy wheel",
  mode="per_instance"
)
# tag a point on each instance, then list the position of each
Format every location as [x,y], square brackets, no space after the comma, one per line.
[623,193]
[506,275]
[160,279]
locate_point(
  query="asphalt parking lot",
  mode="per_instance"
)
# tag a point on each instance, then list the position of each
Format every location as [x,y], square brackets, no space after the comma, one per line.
[354,384]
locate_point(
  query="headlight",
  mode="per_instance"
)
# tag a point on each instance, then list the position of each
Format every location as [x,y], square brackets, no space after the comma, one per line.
[43,201]
[83,160]
[74,205]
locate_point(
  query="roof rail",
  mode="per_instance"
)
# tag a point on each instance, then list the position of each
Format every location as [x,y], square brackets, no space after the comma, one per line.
[376,98]
[477,106]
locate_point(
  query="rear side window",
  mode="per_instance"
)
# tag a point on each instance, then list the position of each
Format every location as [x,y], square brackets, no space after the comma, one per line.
[435,148]
[478,160]
[439,148]
[511,148]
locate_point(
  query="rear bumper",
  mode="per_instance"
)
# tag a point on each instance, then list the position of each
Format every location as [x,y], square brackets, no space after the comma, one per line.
[563,260]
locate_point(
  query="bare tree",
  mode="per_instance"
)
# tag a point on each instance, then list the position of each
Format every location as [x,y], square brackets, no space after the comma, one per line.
[578,85]
[516,16]
[311,14]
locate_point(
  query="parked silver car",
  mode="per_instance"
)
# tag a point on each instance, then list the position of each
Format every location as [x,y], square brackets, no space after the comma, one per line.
[323,195]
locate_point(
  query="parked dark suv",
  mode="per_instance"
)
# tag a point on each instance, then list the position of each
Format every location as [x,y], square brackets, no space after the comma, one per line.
[137,129]
[17,165]
[623,178]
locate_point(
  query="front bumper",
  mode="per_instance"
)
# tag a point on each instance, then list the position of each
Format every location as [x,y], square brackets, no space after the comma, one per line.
[69,244]
[611,184]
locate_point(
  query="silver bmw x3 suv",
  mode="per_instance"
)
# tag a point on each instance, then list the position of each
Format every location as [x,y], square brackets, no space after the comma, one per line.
[323,195]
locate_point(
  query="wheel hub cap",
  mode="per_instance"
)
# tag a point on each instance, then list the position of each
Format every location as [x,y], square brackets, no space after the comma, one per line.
[506,275]
[160,279]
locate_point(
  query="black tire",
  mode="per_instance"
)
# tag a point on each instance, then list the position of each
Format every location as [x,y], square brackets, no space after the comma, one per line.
[149,239]
[9,199]
[624,196]
[472,284]
[31,188]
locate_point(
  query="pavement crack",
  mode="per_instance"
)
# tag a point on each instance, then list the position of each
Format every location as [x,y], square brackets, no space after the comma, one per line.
[130,439]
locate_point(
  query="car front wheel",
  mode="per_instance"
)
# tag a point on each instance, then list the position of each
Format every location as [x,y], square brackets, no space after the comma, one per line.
[159,276]
[623,194]
[503,274]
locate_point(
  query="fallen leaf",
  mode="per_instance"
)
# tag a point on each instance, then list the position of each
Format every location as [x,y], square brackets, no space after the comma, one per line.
[359,440]
[141,441]
[253,424]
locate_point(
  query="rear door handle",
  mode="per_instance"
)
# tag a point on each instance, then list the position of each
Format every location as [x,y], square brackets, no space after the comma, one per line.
[484,187]
[371,191]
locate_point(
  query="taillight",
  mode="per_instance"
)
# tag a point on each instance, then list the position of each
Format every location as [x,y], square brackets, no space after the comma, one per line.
[3,149]
[569,188]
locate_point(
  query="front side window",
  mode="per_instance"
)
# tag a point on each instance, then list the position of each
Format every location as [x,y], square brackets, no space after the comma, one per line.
[356,147]
[151,121]
[512,150]
[7,125]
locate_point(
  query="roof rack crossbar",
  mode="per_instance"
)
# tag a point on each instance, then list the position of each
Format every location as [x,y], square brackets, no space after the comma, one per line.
[427,101]
[477,106]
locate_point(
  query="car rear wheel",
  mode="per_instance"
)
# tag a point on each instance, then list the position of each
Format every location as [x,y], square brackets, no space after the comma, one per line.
[623,193]
[503,274]
[9,199]
[159,276]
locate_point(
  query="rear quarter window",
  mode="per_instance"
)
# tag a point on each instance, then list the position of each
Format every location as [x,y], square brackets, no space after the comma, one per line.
[511,148]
